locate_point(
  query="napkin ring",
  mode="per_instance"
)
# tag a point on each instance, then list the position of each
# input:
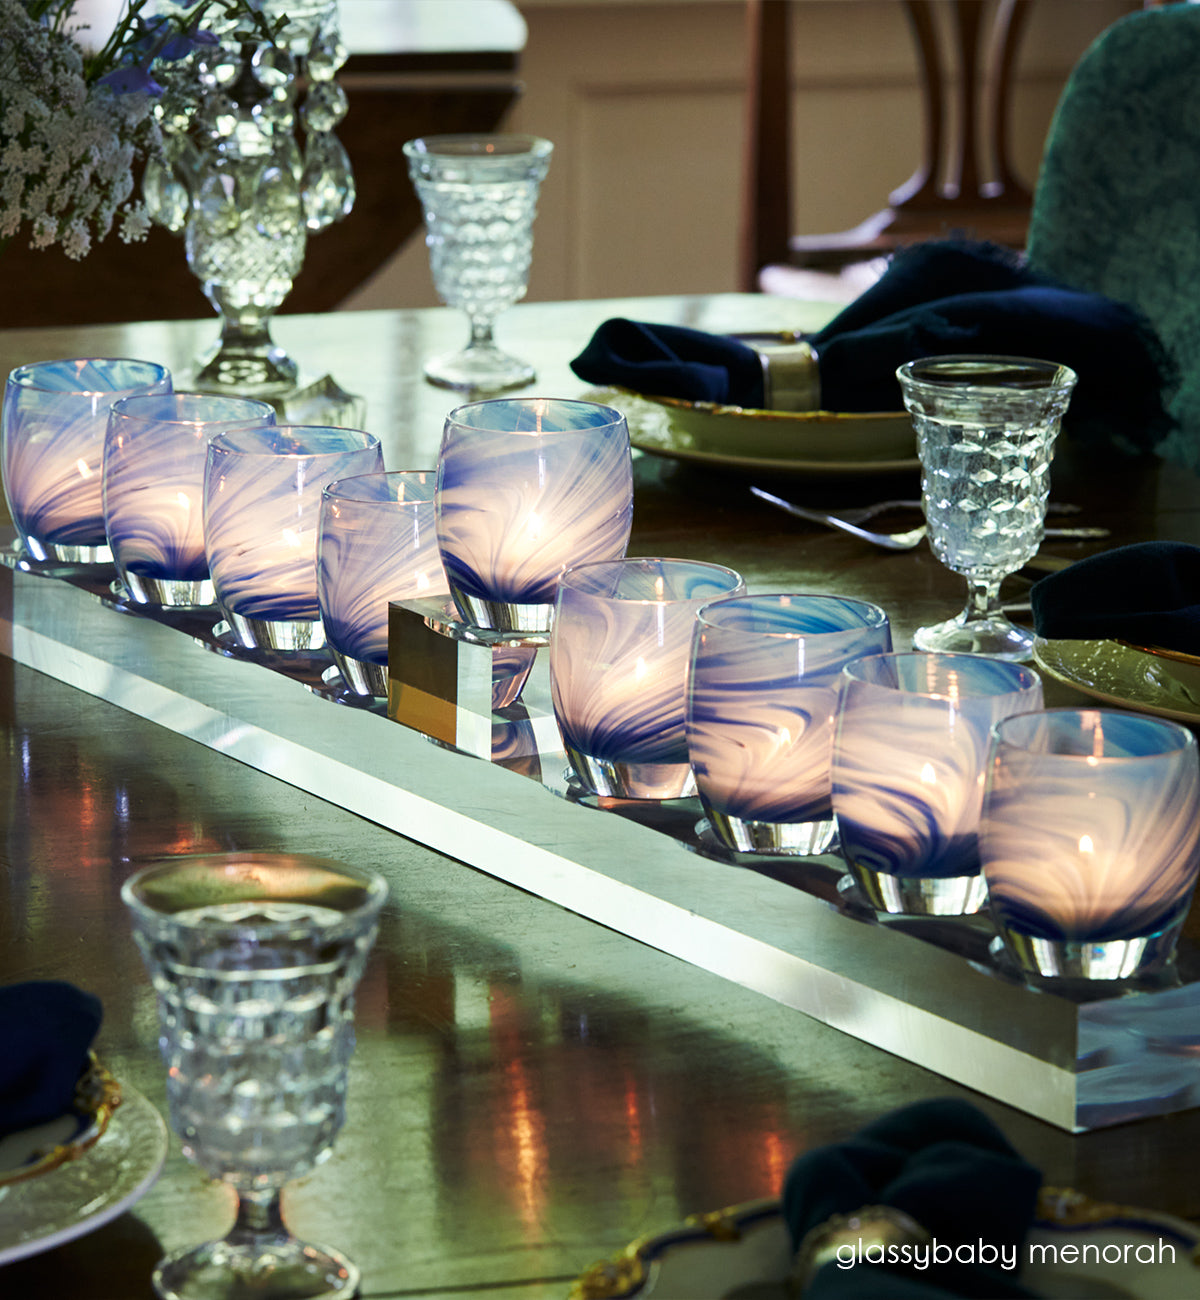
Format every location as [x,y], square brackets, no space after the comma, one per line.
[791,380]
[871,1228]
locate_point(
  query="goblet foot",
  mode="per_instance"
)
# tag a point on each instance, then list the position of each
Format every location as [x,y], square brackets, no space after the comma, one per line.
[787,839]
[920,895]
[993,634]
[170,593]
[275,634]
[481,367]
[1133,959]
[490,615]
[616,779]
[247,361]
[271,1268]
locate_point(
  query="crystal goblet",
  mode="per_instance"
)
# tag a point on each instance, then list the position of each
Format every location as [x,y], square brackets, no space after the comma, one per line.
[479,194]
[618,670]
[152,484]
[262,510]
[527,486]
[986,427]
[54,423]
[909,756]
[1090,840]
[761,701]
[254,960]
[377,543]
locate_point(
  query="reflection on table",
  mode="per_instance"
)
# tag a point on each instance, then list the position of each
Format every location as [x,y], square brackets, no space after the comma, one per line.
[531,1089]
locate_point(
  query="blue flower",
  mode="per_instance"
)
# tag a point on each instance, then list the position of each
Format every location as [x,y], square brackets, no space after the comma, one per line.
[131,79]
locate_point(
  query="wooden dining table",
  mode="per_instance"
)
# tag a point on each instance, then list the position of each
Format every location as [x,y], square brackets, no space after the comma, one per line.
[533,1086]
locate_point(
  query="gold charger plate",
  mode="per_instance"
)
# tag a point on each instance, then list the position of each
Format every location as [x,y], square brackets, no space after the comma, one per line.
[1147,680]
[787,442]
[1077,1247]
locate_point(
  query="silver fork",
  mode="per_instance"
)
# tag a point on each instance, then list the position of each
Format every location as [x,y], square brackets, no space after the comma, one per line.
[845,522]
[848,521]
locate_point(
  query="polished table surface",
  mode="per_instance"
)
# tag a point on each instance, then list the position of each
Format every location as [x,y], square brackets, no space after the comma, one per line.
[531,1090]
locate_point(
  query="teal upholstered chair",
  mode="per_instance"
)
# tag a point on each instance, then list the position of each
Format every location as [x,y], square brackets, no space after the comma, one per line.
[1117,205]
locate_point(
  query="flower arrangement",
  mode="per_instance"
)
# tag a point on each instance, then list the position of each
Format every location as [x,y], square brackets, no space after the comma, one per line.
[75,117]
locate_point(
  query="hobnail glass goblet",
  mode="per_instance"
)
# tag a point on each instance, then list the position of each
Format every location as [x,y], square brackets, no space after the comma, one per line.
[479,194]
[254,960]
[986,427]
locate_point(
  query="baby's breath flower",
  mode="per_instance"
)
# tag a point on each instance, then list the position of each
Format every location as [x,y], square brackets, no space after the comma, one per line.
[73,122]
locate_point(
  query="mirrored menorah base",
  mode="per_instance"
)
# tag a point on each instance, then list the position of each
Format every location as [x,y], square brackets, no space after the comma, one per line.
[1132,960]
[788,839]
[274,634]
[511,617]
[169,593]
[44,552]
[616,779]
[919,895]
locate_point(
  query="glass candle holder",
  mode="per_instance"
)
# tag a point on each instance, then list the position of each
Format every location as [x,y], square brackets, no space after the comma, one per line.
[761,702]
[618,670]
[54,422]
[909,756]
[262,509]
[1088,839]
[152,485]
[255,959]
[526,487]
[377,543]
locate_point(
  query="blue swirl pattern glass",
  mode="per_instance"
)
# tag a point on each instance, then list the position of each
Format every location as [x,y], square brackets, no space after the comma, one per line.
[761,702]
[152,485]
[1088,838]
[618,670]
[909,755]
[262,510]
[526,487]
[54,420]
[377,543]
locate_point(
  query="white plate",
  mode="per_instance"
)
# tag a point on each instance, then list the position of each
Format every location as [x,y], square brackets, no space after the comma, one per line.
[1125,675]
[744,1253]
[787,442]
[82,1194]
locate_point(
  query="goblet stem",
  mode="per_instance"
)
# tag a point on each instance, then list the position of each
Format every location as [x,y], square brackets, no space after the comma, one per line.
[481,332]
[259,1223]
[983,600]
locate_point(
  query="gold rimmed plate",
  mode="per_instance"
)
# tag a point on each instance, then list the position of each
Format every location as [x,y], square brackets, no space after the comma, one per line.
[57,1186]
[34,1151]
[757,441]
[1165,683]
[1076,1247]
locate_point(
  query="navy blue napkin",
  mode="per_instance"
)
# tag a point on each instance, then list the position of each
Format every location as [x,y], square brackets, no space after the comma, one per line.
[1148,593]
[939,297]
[948,1167]
[47,1028]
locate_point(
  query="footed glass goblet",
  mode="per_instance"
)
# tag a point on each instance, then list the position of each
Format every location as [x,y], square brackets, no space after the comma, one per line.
[255,958]
[479,194]
[986,428]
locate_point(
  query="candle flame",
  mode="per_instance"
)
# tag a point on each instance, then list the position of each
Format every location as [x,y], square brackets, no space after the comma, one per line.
[928,775]
[1086,845]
